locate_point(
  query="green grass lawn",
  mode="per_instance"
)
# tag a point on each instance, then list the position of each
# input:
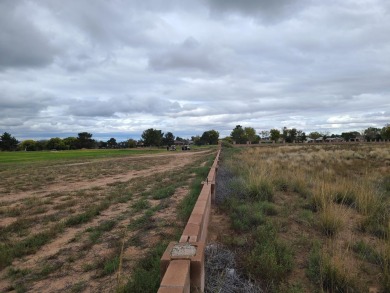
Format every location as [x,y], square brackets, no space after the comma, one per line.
[39,156]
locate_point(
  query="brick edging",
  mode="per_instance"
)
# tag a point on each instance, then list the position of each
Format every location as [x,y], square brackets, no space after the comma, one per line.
[182,264]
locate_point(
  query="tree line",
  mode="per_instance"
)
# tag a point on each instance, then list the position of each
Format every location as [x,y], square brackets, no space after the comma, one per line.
[242,135]
[84,140]
[157,138]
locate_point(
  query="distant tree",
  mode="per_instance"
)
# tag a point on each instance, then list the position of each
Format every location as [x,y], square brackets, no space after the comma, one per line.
[274,134]
[84,140]
[385,132]
[372,133]
[28,145]
[169,139]
[41,145]
[55,143]
[264,133]
[131,143]
[152,137]
[70,142]
[122,144]
[210,137]
[301,136]
[178,138]
[250,134]
[228,139]
[315,135]
[350,135]
[196,139]
[111,143]
[289,135]
[238,135]
[8,142]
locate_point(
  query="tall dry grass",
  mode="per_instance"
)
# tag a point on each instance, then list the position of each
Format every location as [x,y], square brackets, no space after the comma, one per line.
[333,179]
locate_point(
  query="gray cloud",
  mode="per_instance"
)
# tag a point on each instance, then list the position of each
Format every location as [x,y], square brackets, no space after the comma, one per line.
[21,43]
[189,55]
[124,66]
[264,10]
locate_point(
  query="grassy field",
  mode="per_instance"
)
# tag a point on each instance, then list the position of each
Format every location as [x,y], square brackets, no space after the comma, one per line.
[309,218]
[92,220]
[44,156]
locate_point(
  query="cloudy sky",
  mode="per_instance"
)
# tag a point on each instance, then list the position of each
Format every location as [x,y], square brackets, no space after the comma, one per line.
[115,68]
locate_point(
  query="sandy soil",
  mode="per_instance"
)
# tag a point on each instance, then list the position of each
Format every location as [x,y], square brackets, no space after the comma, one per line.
[68,263]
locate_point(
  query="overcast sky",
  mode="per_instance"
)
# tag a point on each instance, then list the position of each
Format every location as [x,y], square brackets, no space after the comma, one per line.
[115,68]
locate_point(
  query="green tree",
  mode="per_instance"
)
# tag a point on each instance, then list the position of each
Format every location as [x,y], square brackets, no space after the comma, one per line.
[289,135]
[238,135]
[84,140]
[210,137]
[70,142]
[41,145]
[8,142]
[385,132]
[55,143]
[169,139]
[315,135]
[274,134]
[301,136]
[372,133]
[28,145]
[196,139]
[131,143]
[152,137]
[111,143]
[350,135]
[250,134]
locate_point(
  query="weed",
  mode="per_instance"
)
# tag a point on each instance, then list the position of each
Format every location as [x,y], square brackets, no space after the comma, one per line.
[329,220]
[245,217]
[366,252]
[140,205]
[329,273]
[96,232]
[110,266]
[270,259]
[146,275]
[78,287]
[88,215]
[164,192]
[16,273]
[260,191]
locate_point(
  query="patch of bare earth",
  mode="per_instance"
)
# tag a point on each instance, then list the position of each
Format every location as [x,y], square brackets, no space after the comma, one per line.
[70,261]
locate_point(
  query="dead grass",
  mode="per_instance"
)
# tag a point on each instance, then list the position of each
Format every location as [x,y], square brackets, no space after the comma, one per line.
[326,194]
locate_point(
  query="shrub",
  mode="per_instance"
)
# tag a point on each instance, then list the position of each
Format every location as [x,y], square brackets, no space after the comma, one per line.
[260,191]
[246,216]
[329,273]
[270,259]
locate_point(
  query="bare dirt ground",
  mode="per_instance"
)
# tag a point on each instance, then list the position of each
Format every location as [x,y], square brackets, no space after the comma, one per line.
[83,255]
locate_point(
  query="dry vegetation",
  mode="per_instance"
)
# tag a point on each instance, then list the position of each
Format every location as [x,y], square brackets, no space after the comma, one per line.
[84,226]
[309,218]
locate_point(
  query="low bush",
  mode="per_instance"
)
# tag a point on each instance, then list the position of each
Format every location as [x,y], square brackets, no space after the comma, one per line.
[329,273]
[270,259]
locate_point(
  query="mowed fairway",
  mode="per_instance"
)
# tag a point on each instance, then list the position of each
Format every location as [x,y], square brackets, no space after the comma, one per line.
[75,221]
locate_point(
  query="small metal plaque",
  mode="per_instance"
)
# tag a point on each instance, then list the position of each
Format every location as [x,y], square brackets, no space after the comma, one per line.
[183,250]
